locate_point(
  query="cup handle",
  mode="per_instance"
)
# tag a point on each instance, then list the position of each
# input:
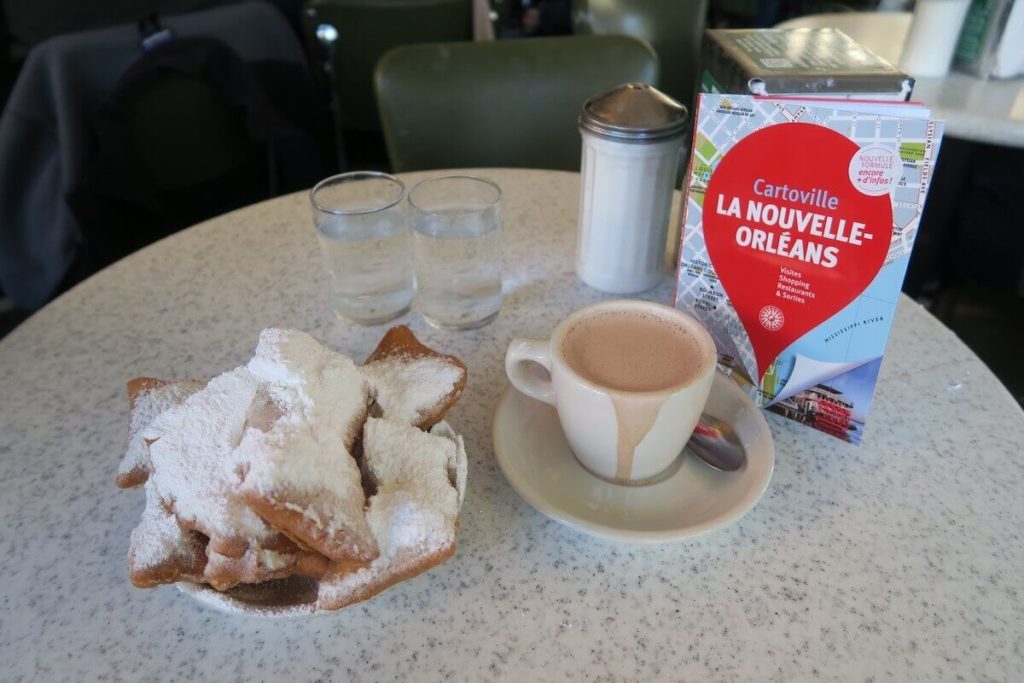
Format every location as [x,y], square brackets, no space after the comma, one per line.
[521,352]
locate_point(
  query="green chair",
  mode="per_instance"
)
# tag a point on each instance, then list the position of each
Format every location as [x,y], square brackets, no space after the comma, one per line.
[502,103]
[674,29]
[348,37]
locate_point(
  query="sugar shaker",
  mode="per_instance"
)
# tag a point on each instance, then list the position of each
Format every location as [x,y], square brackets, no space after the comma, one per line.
[632,139]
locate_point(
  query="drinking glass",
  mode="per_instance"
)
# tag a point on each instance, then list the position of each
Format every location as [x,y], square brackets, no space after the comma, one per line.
[361,221]
[456,223]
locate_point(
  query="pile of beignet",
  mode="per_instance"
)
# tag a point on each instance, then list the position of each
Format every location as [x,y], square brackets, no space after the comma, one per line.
[299,464]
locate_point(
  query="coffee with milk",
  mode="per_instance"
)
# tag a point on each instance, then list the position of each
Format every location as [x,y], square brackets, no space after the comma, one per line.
[628,379]
[633,351]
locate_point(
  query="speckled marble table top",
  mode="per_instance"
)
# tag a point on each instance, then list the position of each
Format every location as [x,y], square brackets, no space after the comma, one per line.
[900,560]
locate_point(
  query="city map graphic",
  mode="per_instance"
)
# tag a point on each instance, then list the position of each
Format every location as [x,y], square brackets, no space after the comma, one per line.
[844,350]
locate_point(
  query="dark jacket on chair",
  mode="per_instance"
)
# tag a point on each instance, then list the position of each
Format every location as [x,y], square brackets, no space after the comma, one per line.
[47,132]
[190,132]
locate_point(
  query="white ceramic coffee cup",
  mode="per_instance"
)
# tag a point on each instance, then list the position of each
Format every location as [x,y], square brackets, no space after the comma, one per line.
[589,413]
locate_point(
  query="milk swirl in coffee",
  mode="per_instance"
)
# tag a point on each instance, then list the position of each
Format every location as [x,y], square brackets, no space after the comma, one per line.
[634,351]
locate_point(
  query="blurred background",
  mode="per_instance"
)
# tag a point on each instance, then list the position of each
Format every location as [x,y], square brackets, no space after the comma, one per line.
[127,120]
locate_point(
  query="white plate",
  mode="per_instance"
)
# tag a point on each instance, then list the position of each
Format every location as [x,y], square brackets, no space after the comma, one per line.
[695,499]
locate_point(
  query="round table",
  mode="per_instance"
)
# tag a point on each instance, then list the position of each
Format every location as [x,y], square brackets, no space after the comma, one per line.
[897,560]
[990,111]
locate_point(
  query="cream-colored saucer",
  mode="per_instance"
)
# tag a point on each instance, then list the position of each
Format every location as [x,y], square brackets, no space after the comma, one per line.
[692,500]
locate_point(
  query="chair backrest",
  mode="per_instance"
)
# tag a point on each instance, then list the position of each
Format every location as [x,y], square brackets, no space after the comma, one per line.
[366,29]
[674,29]
[503,103]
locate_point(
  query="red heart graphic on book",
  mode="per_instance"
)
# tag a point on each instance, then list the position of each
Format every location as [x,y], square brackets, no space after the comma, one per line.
[791,239]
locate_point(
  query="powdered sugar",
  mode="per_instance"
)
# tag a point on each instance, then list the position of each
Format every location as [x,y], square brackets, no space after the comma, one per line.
[338,588]
[159,539]
[407,388]
[302,459]
[146,405]
[416,504]
[458,466]
[277,427]
[322,398]
[191,446]
[415,510]
[279,432]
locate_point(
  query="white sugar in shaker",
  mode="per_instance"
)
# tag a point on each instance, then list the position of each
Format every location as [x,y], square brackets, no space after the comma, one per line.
[632,139]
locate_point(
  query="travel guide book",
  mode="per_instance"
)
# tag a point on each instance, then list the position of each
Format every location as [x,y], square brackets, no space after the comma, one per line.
[799,218]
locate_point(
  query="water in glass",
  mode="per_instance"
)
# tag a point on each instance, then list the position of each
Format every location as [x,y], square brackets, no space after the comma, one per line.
[456,223]
[371,274]
[361,221]
[458,276]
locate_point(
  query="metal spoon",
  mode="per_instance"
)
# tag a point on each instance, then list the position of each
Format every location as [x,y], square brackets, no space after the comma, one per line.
[716,443]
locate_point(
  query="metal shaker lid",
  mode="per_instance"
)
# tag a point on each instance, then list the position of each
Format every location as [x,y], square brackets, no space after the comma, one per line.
[634,112]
